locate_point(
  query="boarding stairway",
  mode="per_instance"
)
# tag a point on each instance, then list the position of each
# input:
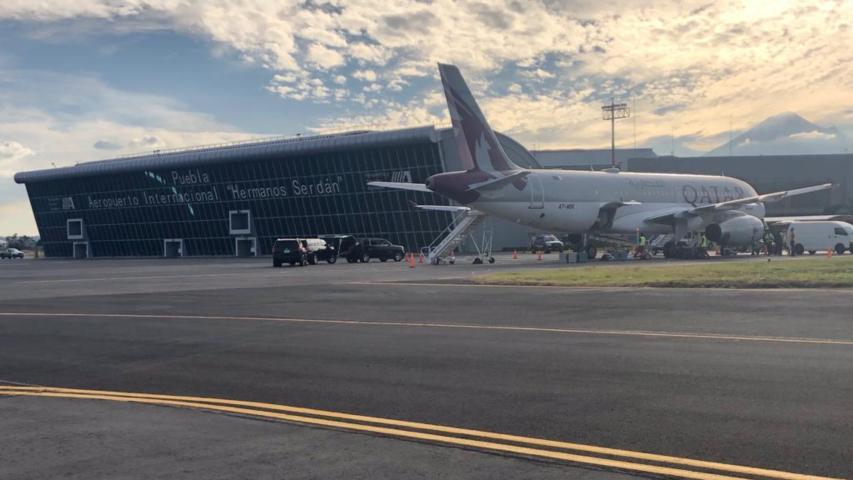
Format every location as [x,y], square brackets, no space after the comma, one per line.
[451,237]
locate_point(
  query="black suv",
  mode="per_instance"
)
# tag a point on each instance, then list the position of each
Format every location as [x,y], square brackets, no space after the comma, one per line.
[381,249]
[289,250]
[547,244]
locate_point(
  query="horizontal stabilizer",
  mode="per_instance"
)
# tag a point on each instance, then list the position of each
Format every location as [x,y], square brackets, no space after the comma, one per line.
[444,208]
[415,187]
[499,182]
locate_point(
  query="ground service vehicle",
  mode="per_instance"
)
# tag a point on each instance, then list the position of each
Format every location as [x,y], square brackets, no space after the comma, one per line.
[11,253]
[315,249]
[289,250]
[546,243]
[381,249]
[345,246]
[821,236]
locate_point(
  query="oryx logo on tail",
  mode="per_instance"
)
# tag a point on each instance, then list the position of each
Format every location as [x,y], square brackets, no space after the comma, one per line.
[479,148]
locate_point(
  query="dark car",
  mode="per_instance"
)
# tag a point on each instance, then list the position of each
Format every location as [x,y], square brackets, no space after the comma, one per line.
[381,249]
[340,246]
[547,244]
[289,250]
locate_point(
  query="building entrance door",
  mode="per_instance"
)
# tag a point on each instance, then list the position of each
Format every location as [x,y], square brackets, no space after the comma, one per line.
[245,247]
[173,247]
[81,250]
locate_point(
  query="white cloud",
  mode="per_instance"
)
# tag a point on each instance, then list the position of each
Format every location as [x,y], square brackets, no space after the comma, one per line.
[102,116]
[324,57]
[693,66]
[813,135]
[11,155]
[365,75]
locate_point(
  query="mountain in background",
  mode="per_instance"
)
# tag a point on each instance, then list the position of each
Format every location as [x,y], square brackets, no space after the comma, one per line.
[785,134]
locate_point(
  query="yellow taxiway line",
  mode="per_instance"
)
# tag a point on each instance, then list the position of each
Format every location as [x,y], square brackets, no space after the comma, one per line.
[509,328]
[518,445]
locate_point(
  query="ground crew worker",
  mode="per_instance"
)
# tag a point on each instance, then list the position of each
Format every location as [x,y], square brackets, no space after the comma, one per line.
[779,242]
[769,244]
[792,238]
[641,246]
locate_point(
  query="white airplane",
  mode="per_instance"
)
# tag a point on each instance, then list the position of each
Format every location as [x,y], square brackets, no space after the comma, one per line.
[728,210]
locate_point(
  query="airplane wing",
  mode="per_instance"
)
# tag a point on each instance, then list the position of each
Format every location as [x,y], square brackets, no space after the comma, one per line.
[806,218]
[766,198]
[415,187]
[670,215]
[499,182]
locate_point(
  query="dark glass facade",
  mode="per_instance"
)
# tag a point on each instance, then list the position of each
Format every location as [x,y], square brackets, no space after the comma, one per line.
[134,213]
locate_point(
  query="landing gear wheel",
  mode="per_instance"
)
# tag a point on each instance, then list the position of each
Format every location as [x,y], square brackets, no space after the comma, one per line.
[312,260]
[668,249]
[398,257]
[451,261]
[478,261]
[491,259]
[839,249]
[352,260]
[812,252]
[591,252]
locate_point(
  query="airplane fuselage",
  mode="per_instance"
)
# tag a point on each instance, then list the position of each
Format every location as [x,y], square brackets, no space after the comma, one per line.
[570,201]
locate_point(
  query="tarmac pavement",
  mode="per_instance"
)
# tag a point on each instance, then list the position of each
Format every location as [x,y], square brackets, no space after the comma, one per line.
[755,378]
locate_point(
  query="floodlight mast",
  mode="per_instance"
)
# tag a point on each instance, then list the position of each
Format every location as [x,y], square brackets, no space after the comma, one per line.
[613,112]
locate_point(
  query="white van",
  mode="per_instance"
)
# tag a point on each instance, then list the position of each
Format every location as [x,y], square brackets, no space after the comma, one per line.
[820,236]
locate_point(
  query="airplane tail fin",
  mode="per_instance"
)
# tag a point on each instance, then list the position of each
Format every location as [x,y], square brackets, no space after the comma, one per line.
[479,148]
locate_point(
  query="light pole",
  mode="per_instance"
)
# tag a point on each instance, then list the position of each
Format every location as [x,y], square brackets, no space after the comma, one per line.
[613,112]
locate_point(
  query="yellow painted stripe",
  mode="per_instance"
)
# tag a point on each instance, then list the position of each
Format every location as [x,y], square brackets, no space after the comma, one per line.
[429,427]
[392,432]
[628,333]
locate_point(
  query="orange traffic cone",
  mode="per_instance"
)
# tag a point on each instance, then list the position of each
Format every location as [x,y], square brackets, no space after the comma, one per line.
[515,255]
[412,261]
[539,258]
[829,252]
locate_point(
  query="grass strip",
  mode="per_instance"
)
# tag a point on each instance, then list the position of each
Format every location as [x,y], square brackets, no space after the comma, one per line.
[820,272]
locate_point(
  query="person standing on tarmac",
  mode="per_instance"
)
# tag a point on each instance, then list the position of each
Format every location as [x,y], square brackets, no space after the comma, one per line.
[769,243]
[640,251]
[792,238]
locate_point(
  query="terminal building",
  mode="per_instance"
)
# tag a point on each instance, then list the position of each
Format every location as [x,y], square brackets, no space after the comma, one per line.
[236,199]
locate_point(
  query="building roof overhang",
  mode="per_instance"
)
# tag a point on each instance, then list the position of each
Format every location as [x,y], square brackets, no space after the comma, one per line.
[280,147]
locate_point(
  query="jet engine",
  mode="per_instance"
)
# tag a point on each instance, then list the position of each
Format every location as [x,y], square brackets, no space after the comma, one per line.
[737,231]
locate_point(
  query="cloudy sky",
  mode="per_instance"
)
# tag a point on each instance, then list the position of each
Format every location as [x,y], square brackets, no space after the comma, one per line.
[90,79]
